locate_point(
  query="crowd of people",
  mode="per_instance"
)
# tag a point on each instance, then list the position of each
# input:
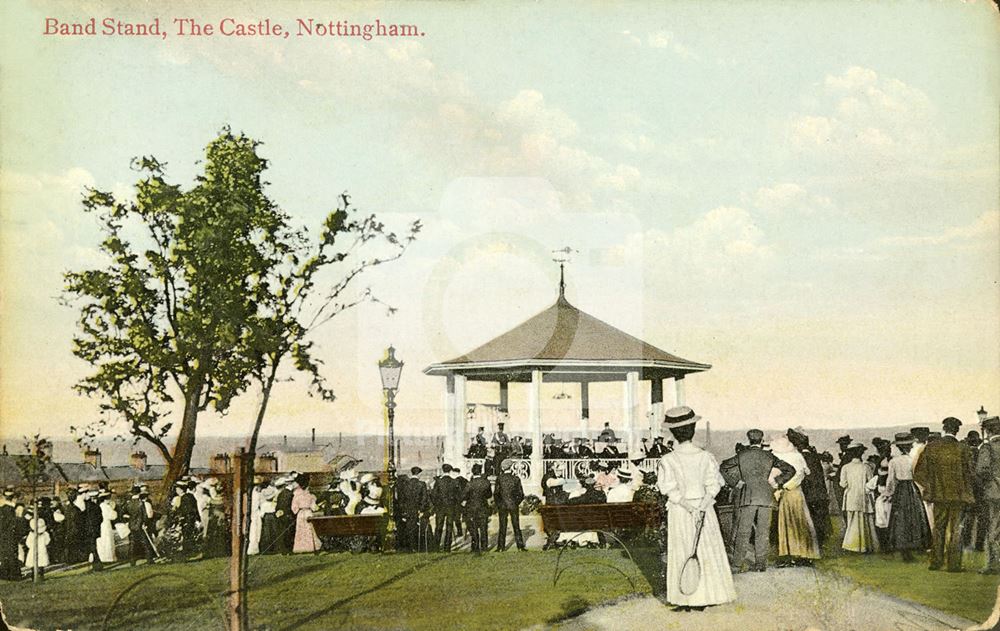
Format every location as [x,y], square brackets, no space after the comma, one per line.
[922,492]
[93,525]
[936,494]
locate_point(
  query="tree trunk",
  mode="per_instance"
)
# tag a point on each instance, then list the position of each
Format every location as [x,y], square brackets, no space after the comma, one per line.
[181,460]
[250,456]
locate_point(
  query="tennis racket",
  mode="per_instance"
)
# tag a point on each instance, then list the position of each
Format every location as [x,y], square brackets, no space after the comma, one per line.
[691,570]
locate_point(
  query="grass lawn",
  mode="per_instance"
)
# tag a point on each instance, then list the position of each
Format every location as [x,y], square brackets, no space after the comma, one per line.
[967,594]
[511,590]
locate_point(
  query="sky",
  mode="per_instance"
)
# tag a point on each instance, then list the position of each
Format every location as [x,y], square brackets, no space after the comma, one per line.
[804,195]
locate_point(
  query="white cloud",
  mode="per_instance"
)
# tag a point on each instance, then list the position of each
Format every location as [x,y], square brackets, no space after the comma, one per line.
[789,197]
[986,226]
[662,40]
[858,114]
[723,243]
[528,111]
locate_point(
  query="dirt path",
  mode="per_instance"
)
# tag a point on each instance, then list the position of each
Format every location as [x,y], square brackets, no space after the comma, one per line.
[812,600]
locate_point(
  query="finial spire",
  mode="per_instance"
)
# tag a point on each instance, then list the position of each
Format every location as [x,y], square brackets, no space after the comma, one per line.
[561,257]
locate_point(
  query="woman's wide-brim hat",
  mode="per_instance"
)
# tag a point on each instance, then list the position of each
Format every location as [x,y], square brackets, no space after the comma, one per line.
[856,445]
[680,416]
[903,438]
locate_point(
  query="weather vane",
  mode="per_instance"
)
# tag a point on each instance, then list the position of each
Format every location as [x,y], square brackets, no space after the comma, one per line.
[562,256]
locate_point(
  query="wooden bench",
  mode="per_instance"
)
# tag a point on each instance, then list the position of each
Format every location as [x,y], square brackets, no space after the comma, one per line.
[602,518]
[351,526]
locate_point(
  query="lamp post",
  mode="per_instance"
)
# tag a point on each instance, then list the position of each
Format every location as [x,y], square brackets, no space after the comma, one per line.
[390,369]
[981,413]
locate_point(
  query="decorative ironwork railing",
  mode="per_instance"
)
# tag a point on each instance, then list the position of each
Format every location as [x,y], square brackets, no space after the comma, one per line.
[570,468]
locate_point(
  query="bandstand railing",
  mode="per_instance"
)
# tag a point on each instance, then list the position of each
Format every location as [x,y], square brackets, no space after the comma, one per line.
[569,468]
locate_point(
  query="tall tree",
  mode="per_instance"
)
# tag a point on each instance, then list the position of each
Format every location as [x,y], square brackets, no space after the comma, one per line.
[200,291]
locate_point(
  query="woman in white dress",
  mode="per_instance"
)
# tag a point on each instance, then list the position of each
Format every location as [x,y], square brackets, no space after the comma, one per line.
[253,546]
[106,542]
[38,537]
[689,477]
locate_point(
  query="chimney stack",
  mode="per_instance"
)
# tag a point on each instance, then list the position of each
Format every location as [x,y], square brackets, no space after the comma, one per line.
[92,457]
[138,460]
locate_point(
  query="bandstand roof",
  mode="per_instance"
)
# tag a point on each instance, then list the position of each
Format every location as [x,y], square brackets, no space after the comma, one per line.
[567,344]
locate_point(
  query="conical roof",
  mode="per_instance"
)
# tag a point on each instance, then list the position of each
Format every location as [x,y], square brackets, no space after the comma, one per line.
[565,339]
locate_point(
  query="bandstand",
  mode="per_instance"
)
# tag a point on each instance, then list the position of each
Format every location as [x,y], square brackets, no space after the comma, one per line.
[562,344]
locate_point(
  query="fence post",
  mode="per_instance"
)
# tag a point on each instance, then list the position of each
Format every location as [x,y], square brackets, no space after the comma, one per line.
[237,611]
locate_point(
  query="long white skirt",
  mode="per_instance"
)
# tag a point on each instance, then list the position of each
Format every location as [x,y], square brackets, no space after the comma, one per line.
[716,585]
[106,543]
[254,534]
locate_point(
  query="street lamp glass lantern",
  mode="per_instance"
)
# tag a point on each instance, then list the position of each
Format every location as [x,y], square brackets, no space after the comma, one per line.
[390,368]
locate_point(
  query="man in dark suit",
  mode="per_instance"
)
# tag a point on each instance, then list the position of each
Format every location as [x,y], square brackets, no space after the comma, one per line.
[188,517]
[411,495]
[92,519]
[460,483]
[657,450]
[284,519]
[988,476]
[139,544]
[509,494]
[585,451]
[749,472]
[10,567]
[944,473]
[475,498]
[443,497]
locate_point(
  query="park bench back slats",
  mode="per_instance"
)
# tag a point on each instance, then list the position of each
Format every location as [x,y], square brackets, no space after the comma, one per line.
[349,525]
[583,517]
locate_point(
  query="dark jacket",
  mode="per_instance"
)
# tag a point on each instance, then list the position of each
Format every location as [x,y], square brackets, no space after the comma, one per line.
[8,534]
[944,471]
[73,533]
[509,491]
[476,496]
[413,496]
[988,470]
[136,511]
[92,519]
[814,484]
[444,495]
[592,495]
[188,510]
[752,467]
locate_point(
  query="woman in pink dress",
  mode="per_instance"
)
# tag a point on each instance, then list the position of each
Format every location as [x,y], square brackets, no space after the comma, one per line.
[303,507]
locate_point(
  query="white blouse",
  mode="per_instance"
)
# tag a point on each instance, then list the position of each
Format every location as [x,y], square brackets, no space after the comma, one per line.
[688,473]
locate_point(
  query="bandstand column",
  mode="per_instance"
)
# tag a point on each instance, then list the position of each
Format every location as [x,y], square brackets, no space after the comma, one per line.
[535,422]
[504,397]
[655,407]
[679,390]
[630,400]
[461,421]
[585,409]
[449,419]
